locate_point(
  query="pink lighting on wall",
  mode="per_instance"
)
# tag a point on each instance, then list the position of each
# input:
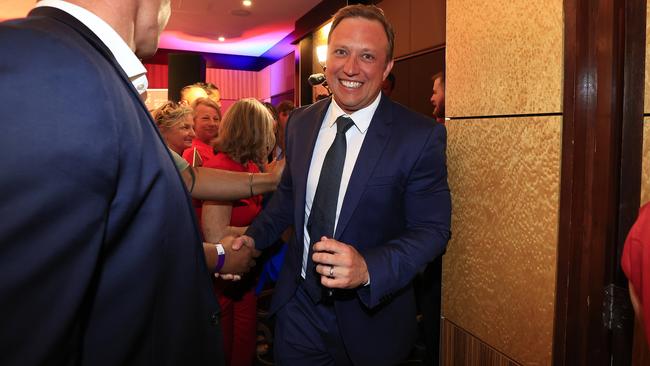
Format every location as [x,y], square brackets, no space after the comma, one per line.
[274,79]
[254,45]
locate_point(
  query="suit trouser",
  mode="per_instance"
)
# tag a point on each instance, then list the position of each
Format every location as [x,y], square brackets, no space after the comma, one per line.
[428,294]
[308,334]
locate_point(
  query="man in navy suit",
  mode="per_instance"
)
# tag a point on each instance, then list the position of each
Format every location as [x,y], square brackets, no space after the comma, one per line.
[101,261]
[344,295]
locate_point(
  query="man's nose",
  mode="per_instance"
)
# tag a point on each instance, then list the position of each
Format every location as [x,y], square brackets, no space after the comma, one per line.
[351,66]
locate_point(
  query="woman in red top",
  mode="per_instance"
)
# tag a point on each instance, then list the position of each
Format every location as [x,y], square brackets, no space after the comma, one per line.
[207,116]
[245,139]
[636,265]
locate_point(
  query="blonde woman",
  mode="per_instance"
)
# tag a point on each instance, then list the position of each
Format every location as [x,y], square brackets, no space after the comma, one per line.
[176,125]
[246,137]
[207,116]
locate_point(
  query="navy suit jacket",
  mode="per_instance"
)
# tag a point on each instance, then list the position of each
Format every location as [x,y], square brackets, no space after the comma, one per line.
[396,213]
[101,261]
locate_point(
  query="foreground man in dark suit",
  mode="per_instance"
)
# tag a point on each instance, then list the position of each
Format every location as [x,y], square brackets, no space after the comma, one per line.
[101,262]
[370,203]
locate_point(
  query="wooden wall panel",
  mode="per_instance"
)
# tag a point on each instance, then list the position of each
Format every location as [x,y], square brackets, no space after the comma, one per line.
[413,84]
[461,348]
[646,106]
[427,24]
[399,14]
[418,24]
[645,167]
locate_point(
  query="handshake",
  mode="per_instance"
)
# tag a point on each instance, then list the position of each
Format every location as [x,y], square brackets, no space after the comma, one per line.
[238,259]
[339,265]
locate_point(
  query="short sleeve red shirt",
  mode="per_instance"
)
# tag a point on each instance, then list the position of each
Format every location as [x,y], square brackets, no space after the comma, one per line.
[244,210]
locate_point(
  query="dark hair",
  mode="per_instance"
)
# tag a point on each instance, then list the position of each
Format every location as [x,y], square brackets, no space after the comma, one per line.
[369,12]
[439,75]
[391,79]
[272,110]
[285,106]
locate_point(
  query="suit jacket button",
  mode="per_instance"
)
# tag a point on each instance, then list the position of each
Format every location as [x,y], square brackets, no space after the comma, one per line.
[215,319]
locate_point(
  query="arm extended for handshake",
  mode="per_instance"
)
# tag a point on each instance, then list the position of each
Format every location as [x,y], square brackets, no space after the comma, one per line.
[222,185]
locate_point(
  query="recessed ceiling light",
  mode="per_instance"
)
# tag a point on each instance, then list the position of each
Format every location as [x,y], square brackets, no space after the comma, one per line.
[221,39]
[247,2]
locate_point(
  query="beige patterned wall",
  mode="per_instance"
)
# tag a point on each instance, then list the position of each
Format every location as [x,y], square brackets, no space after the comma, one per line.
[504,57]
[645,167]
[499,270]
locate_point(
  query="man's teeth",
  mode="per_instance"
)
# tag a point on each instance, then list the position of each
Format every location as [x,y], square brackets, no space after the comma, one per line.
[350,84]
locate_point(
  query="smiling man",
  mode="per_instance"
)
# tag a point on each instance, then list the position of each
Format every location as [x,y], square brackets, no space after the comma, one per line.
[366,188]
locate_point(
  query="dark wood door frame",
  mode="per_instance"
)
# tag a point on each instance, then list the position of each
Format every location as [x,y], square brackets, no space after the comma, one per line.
[604,60]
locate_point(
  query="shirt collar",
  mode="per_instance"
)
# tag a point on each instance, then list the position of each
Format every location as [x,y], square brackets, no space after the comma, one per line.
[125,57]
[361,118]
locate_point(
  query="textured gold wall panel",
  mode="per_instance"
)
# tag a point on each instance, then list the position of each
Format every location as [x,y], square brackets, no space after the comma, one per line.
[504,57]
[500,267]
[645,165]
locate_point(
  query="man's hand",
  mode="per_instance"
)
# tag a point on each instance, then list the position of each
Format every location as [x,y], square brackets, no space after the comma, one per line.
[275,168]
[340,264]
[245,241]
[238,260]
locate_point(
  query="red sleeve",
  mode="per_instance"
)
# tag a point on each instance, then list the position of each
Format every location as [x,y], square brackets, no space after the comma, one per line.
[636,262]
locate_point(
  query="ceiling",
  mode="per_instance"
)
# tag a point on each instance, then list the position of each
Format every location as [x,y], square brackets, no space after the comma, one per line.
[195,25]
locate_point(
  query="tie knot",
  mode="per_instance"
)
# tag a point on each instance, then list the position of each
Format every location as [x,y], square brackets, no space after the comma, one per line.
[343,124]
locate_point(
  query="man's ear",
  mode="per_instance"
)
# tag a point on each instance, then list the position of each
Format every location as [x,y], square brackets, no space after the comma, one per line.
[389,67]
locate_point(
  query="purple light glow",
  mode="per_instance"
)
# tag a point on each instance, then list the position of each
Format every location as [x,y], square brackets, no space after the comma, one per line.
[247,45]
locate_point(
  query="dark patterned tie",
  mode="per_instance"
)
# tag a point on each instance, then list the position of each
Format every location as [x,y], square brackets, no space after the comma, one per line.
[323,209]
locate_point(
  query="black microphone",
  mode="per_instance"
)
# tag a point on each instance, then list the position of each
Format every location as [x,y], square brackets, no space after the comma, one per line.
[316,79]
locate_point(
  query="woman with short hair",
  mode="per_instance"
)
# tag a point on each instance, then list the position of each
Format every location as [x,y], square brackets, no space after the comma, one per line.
[176,125]
[207,117]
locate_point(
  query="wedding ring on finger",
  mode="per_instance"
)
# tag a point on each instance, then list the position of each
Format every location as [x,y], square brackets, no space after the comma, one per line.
[331,272]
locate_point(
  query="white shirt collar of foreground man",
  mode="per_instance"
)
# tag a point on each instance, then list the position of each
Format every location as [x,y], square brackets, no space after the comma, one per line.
[128,61]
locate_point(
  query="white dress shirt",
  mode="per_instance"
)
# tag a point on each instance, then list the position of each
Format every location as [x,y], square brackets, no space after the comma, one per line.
[354,138]
[128,61]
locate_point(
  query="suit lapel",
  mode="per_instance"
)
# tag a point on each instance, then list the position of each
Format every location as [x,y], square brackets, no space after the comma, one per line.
[373,145]
[303,151]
